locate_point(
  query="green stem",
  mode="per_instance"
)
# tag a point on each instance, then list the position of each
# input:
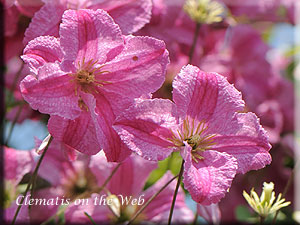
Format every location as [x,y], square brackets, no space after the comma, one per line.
[91,219]
[109,178]
[150,200]
[98,189]
[175,192]
[286,188]
[35,172]
[262,219]
[195,218]
[192,50]
[87,194]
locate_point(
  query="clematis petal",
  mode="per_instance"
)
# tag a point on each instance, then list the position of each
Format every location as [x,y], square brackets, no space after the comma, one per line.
[17,164]
[23,216]
[145,127]
[42,212]
[45,22]
[100,167]
[89,35]
[79,134]
[208,180]
[51,93]
[127,75]
[99,213]
[129,179]
[211,213]
[42,50]
[205,96]
[130,15]
[28,7]
[56,160]
[245,140]
[158,210]
[103,117]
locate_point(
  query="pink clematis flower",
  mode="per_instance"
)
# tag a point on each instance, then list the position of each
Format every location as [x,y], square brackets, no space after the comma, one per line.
[130,15]
[128,182]
[88,76]
[206,124]
[17,164]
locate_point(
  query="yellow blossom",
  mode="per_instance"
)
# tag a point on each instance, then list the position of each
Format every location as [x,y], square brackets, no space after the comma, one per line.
[264,205]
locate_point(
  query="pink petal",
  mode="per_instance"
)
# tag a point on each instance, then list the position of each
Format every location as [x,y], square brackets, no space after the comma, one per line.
[103,117]
[79,134]
[158,210]
[208,180]
[127,75]
[89,35]
[17,164]
[211,213]
[205,96]
[42,50]
[100,167]
[45,22]
[11,15]
[56,161]
[51,93]
[145,127]
[130,177]
[28,7]
[23,216]
[245,140]
[40,212]
[74,214]
[130,15]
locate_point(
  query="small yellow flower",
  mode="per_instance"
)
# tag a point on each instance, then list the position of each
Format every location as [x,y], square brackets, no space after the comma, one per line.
[264,205]
[204,11]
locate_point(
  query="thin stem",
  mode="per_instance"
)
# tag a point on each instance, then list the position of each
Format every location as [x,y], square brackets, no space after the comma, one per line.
[175,192]
[286,188]
[91,219]
[150,200]
[14,123]
[262,219]
[109,178]
[35,172]
[196,34]
[195,218]
[98,189]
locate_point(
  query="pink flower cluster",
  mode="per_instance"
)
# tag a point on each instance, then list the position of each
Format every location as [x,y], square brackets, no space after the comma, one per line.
[100,70]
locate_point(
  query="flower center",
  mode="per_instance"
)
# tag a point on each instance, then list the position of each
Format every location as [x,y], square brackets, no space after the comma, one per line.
[80,184]
[195,134]
[85,77]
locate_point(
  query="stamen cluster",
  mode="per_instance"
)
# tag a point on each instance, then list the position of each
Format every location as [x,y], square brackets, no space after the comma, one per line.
[195,136]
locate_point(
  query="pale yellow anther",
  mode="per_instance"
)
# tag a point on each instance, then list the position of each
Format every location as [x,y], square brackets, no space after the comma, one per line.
[193,133]
[114,204]
[85,76]
[204,11]
[265,205]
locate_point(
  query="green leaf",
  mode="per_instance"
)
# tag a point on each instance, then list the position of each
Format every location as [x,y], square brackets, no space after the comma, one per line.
[171,163]
[243,214]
